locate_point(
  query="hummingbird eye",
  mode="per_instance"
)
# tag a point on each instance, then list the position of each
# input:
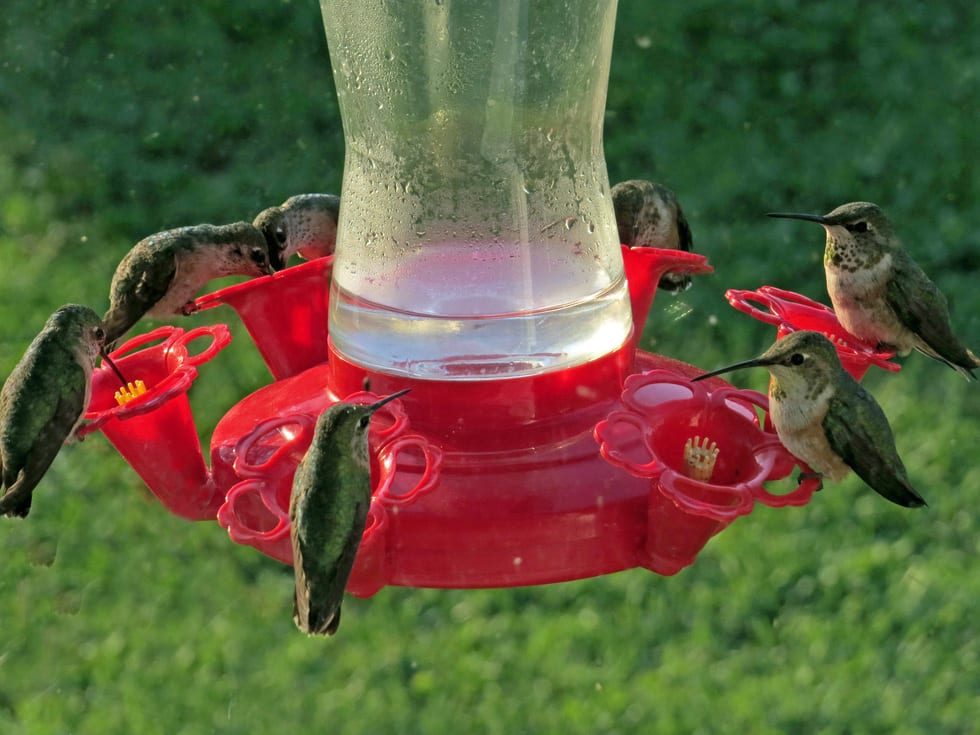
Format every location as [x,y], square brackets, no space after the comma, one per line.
[99,334]
[259,256]
[797,358]
[280,235]
[861,226]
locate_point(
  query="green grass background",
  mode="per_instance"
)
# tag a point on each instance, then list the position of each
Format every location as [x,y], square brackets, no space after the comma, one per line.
[119,119]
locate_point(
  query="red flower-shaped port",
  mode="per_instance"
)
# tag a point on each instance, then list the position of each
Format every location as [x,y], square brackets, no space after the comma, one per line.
[791,312]
[404,466]
[155,431]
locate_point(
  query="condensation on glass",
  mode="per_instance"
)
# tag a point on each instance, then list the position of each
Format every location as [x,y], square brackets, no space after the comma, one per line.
[477,237]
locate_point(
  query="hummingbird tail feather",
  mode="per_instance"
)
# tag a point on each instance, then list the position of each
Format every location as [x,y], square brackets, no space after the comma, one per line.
[16,502]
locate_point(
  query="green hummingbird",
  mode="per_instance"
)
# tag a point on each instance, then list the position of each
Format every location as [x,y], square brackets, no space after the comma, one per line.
[879,293]
[161,274]
[328,511]
[43,401]
[648,215]
[825,418]
[304,224]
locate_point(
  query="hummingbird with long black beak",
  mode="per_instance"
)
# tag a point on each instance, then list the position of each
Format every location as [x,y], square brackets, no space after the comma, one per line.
[43,400]
[880,295]
[328,511]
[161,274]
[649,215]
[825,418]
[304,224]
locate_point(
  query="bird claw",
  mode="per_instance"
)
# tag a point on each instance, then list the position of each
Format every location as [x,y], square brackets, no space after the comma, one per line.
[189,308]
[804,476]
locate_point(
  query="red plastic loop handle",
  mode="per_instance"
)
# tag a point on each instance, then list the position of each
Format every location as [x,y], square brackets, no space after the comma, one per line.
[800,495]
[743,301]
[220,338]
[377,520]
[263,429]
[240,532]
[791,297]
[603,431]
[388,464]
[164,335]
[672,485]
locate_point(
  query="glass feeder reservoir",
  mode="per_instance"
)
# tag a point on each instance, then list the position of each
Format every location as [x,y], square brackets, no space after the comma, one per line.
[477,237]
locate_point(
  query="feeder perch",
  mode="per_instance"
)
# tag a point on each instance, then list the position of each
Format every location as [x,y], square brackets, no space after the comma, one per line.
[791,312]
[477,264]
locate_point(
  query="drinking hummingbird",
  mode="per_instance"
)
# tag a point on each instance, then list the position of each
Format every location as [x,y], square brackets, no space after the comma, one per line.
[328,511]
[879,293]
[43,401]
[161,274]
[824,417]
[649,215]
[304,224]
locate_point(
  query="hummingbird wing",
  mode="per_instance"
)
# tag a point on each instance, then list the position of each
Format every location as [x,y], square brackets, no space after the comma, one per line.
[44,411]
[685,238]
[137,289]
[857,430]
[321,582]
[675,283]
[922,308]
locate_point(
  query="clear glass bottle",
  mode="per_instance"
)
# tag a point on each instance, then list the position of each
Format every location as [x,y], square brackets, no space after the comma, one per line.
[477,237]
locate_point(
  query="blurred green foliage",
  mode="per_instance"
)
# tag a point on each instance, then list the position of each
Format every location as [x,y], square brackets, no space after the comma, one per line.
[118,119]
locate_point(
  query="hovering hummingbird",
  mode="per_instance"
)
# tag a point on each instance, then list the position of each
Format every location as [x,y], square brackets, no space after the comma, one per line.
[304,224]
[649,215]
[824,417]
[161,274]
[43,401]
[328,511]
[879,293]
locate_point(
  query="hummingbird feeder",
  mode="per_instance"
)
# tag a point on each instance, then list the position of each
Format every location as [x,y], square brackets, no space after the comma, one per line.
[478,264]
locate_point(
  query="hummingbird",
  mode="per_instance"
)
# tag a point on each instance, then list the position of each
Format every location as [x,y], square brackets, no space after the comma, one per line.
[304,224]
[43,401]
[881,295]
[328,511]
[161,274]
[648,215]
[824,417]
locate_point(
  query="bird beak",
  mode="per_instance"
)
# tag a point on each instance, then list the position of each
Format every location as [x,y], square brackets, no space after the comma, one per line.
[757,362]
[388,399]
[819,218]
[111,364]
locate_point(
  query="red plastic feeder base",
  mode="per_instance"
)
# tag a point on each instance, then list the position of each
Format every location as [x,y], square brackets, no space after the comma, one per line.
[492,483]
[500,483]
